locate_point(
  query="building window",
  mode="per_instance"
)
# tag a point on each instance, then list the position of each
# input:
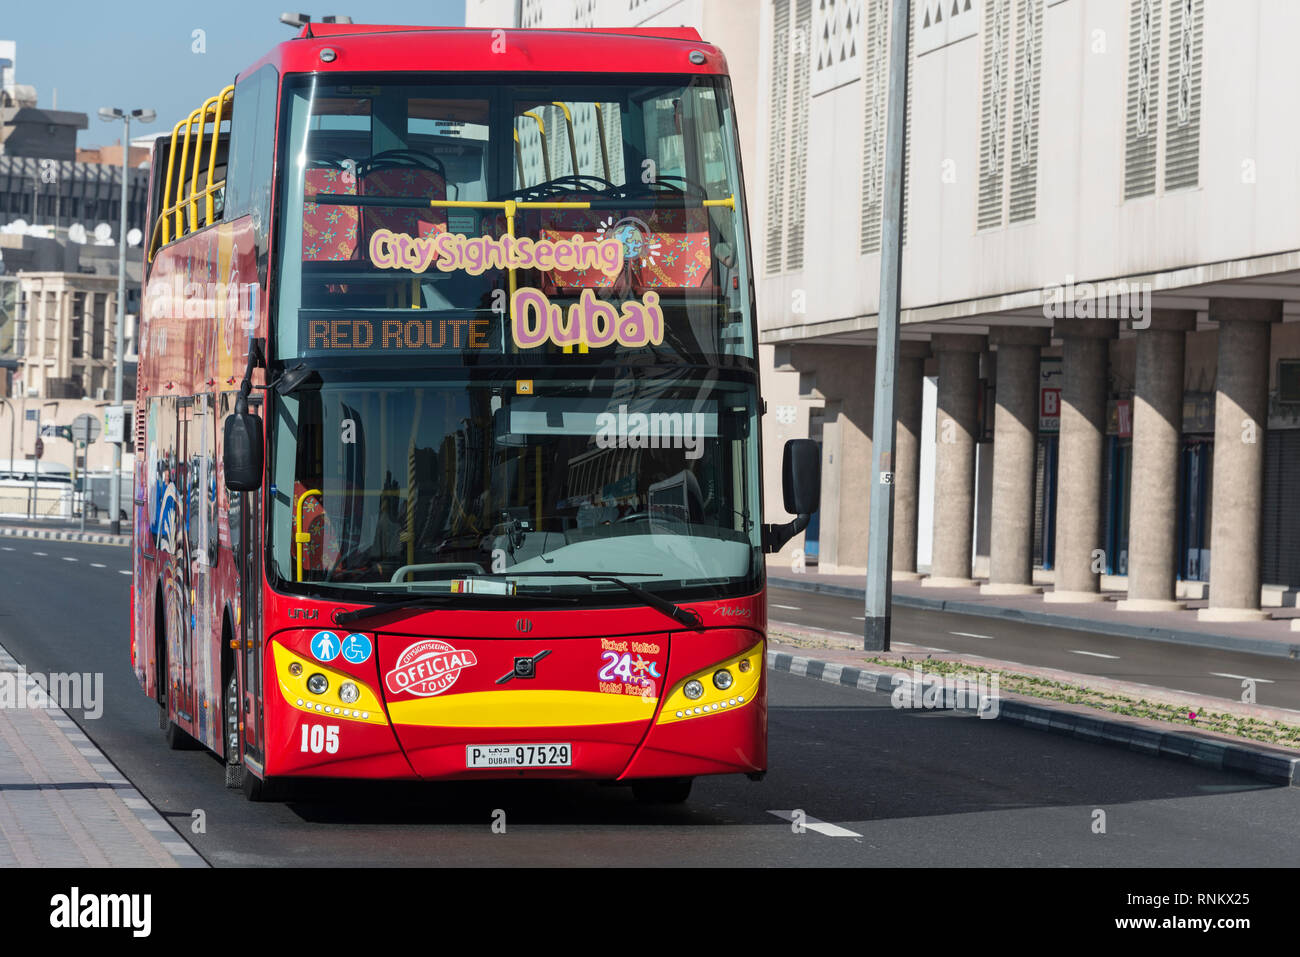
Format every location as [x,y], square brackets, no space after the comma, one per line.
[837,35]
[1183,136]
[1143,107]
[993,112]
[1024,172]
[78,324]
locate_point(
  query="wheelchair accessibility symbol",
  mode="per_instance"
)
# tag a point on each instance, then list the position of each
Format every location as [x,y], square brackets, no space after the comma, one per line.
[356,648]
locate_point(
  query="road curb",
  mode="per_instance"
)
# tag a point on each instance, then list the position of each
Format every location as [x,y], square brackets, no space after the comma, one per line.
[1251,646]
[1258,762]
[58,535]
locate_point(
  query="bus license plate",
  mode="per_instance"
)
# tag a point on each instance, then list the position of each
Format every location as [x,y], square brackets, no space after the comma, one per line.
[518,755]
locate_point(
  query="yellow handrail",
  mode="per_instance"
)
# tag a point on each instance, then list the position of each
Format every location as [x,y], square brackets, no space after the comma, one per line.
[541,138]
[301,537]
[212,110]
[167,186]
[573,143]
[226,94]
[180,179]
[208,105]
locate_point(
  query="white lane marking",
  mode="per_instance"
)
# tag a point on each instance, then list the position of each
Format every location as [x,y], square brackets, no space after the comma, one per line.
[1224,674]
[1094,654]
[96,565]
[6,548]
[859,617]
[816,824]
[67,559]
[970,634]
[124,571]
[42,554]
[786,607]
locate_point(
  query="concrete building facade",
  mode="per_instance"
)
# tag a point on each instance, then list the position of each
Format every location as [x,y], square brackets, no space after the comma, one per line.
[1100,374]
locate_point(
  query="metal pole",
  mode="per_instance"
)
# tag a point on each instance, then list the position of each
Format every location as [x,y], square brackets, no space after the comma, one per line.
[115,482]
[85,463]
[13,413]
[880,533]
[36,470]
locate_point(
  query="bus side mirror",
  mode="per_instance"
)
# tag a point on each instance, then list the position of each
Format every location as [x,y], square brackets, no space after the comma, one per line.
[801,485]
[242,457]
[801,476]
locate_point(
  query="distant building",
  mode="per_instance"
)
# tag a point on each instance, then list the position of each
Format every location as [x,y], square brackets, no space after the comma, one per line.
[58,319]
[60,210]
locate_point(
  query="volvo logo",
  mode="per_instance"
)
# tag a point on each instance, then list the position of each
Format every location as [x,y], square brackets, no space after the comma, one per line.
[524,667]
[523,625]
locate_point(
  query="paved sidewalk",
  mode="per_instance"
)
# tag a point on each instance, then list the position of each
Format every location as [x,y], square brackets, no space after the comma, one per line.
[62,803]
[1273,637]
[63,533]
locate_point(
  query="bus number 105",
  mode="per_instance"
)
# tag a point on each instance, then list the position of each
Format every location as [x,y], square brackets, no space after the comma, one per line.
[317,738]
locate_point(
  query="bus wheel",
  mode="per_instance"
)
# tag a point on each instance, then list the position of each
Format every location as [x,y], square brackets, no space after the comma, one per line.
[662,790]
[261,790]
[234,770]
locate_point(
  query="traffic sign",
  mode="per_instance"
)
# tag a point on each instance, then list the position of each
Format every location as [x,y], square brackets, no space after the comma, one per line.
[85,428]
[114,424]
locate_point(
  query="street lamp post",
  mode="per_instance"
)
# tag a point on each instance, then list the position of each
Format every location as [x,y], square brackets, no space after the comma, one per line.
[108,114]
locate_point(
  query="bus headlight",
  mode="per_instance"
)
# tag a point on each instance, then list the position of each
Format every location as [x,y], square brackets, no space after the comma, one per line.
[318,684]
[693,689]
[348,692]
[722,679]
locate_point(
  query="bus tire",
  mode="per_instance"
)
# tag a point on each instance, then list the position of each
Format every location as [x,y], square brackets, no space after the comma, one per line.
[662,790]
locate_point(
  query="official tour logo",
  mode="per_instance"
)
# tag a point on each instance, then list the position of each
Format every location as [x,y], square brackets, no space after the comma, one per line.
[428,668]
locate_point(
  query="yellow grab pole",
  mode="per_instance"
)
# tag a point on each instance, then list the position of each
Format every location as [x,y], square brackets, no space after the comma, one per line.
[167,186]
[180,173]
[302,537]
[225,94]
[204,110]
[573,143]
[600,132]
[541,138]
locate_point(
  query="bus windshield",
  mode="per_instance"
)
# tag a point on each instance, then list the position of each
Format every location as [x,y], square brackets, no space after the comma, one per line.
[398,204]
[400,483]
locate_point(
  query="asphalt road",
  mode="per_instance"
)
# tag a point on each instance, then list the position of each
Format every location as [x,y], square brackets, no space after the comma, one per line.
[874,785]
[1204,671]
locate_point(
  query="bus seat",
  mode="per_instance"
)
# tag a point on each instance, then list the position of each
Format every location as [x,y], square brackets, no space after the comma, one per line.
[405,182]
[329,232]
[666,248]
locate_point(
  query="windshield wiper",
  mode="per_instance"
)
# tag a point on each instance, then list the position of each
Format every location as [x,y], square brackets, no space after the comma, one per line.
[424,601]
[683,616]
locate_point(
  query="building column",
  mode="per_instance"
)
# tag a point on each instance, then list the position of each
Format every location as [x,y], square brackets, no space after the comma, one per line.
[843,375]
[1015,450]
[907,455]
[1083,431]
[1157,454]
[954,461]
[1240,423]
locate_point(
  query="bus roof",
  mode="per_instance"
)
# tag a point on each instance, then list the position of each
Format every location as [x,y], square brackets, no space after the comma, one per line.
[375,48]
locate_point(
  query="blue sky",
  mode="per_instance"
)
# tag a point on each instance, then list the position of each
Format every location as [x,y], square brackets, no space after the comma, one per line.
[139,53]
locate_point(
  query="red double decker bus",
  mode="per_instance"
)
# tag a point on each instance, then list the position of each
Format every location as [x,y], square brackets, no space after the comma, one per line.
[449,392]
